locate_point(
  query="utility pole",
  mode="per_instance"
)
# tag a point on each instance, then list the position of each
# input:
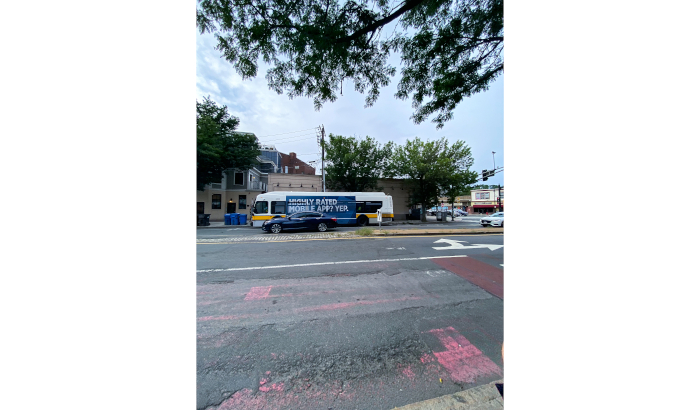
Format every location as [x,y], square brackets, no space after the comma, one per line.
[323,157]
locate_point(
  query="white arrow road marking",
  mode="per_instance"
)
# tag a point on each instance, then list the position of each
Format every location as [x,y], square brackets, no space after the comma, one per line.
[457,245]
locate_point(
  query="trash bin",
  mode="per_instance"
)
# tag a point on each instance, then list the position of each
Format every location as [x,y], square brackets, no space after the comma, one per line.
[227,219]
[234,219]
[241,219]
[439,216]
[206,219]
[200,219]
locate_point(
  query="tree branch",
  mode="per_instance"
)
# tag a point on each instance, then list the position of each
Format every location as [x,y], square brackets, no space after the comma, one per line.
[409,5]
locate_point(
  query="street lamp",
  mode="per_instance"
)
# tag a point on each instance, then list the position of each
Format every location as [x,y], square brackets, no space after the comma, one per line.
[494,159]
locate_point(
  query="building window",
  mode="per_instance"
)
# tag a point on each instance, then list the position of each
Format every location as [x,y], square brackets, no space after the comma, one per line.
[216,201]
[241,201]
[238,178]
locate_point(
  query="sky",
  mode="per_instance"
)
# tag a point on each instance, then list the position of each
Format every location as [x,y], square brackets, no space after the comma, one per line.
[290,125]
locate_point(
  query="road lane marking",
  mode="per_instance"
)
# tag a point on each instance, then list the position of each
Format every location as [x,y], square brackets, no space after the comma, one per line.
[457,245]
[301,265]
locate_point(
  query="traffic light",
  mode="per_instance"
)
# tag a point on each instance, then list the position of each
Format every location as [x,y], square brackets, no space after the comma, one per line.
[485,175]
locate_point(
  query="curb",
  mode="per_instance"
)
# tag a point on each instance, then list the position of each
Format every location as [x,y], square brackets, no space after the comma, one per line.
[486,397]
[437,232]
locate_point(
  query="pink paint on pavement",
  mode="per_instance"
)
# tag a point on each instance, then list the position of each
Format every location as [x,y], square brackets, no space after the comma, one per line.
[259,292]
[462,359]
[278,387]
[334,306]
[208,318]
[426,358]
[322,292]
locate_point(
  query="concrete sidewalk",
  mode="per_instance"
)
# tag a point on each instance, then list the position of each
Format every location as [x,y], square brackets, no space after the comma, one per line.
[436,231]
[486,397]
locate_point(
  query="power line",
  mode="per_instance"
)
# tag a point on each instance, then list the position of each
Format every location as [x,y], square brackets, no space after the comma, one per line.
[286,138]
[291,132]
[287,142]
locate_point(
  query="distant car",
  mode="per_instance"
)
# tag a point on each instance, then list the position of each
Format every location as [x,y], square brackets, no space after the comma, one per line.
[459,212]
[300,220]
[494,220]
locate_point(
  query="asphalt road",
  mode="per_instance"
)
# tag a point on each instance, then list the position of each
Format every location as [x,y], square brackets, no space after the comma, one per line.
[236,230]
[369,323]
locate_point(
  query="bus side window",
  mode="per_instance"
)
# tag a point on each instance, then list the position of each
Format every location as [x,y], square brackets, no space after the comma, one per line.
[261,207]
[360,207]
[278,207]
[373,206]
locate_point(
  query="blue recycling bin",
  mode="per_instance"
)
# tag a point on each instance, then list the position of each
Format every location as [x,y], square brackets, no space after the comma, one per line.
[234,219]
[241,219]
[227,219]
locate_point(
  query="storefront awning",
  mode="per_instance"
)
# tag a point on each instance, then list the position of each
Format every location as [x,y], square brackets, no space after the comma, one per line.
[486,206]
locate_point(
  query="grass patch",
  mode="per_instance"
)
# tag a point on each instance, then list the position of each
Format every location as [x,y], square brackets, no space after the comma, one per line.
[364,231]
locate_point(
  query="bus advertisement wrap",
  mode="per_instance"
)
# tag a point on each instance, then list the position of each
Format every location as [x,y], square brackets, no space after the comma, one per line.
[342,207]
[348,208]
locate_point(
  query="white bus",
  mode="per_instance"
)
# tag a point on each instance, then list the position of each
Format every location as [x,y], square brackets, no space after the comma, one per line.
[350,208]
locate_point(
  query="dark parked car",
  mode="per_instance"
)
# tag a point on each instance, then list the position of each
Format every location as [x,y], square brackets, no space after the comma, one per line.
[301,220]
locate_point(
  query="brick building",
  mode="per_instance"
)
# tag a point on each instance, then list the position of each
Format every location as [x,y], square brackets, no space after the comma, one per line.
[293,165]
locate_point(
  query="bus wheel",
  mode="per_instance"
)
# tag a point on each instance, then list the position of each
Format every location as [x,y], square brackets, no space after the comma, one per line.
[322,227]
[276,228]
[362,221]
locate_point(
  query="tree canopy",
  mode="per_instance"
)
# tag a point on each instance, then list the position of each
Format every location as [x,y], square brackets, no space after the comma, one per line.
[432,169]
[219,147]
[355,166]
[450,49]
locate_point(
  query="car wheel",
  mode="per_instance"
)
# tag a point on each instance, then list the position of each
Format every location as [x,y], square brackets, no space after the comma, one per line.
[322,227]
[362,221]
[276,228]
[484,225]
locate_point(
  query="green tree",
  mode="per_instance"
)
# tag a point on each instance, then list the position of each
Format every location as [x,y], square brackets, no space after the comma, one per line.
[355,166]
[219,147]
[450,49]
[432,169]
[458,184]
